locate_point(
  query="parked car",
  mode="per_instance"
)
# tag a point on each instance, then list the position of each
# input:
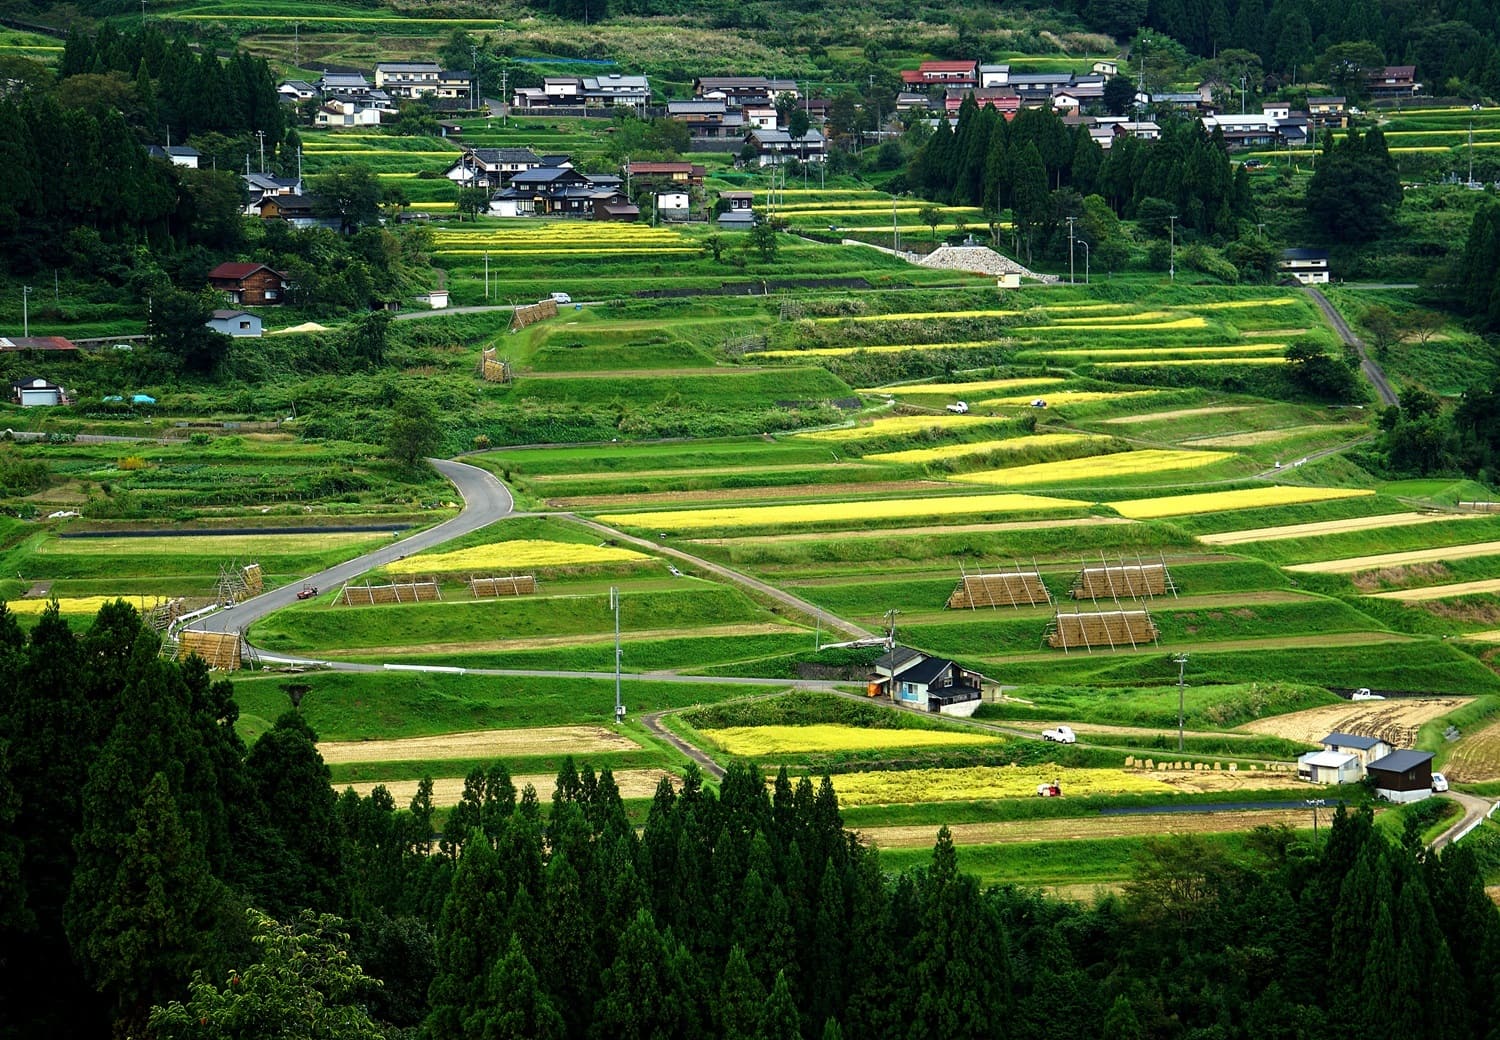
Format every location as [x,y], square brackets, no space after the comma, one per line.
[1439,782]
[560,298]
[1062,735]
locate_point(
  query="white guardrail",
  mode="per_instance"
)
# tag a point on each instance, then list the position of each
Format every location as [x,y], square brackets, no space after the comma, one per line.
[1465,832]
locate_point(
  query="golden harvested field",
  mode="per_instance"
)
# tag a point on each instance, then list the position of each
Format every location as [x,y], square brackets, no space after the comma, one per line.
[1357,523]
[1250,440]
[1420,595]
[1200,361]
[958,451]
[1190,322]
[246,545]
[780,740]
[1476,756]
[963,389]
[1398,559]
[900,424]
[1394,721]
[1220,501]
[494,743]
[81,604]
[723,496]
[1098,467]
[449,790]
[1016,832]
[1071,397]
[511,555]
[832,512]
[1225,305]
[1101,355]
[1180,413]
[886,787]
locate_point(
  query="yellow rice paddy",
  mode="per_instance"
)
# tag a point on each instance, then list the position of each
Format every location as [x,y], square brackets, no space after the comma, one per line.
[1127,463]
[513,554]
[779,740]
[833,512]
[1221,501]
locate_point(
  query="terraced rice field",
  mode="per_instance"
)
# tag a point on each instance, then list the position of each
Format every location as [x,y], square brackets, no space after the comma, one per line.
[80,605]
[1431,592]
[1476,756]
[1357,523]
[1085,828]
[885,787]
[755,741]
[1057,399]
[498,743]
[1395,721]
[834,512]
[1128,463]
[1176,413]
[513,554]
[898,425]
[449,790]
[964,389]
[1221,501]
[229,545]
[1013,444]
[1258,437]
[1355,564]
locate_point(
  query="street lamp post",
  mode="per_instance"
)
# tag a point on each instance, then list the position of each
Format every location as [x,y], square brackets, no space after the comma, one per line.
[1084,242]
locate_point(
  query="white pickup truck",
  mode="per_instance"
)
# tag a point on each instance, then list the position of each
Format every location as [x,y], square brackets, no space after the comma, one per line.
[959,408]
[1062,735]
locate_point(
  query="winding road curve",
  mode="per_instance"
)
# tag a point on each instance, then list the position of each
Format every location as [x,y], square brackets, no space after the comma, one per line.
[1475,809]
[485,499]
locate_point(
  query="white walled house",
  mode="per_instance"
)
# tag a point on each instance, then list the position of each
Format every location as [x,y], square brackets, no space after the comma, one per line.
[1308,266]
[236,323]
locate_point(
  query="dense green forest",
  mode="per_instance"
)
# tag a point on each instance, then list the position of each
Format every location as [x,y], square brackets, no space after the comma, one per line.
[158,879]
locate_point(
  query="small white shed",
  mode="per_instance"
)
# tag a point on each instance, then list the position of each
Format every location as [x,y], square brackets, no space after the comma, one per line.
[36,393]
[236,323]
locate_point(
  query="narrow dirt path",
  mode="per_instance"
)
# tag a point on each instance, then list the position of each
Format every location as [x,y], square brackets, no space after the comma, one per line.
[727,574]
[1371,370]
[709,766]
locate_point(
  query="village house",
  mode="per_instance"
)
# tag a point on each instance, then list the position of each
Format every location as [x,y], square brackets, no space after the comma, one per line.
[673,204]
[249,284]
[407,79]
[1146,130]
[1326,112]
[1344,758]
[994,76]
[935,684]
[561,191]
[455,85]
[708,119]
[774,147]
[48,344]
[491,167]
[351,84]
[1003,99]
[1308,266]
[295,90]
[236,323]
[942,74]
[259,186]
[738,91]
[585,92]
[1394,81]
[350,110]
[176,154]
[676,172]
[300,211]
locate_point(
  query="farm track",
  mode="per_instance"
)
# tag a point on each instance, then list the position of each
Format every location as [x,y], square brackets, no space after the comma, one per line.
[736,577]
[1474,810]
[692,751]
[1372,371]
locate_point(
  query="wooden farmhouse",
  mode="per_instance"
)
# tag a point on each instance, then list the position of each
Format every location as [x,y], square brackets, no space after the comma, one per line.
[249,285]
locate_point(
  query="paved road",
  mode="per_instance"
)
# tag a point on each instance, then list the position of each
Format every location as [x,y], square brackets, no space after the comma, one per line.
[727,574]
[485,501]
[1371,370]
[1475,809]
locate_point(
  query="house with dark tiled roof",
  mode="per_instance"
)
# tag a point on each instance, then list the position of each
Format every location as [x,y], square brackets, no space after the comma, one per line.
[491,167]
[249,284]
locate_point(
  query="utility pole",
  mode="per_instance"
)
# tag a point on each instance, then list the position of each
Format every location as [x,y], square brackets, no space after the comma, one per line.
[473,76]
[890,627]
[505,95]
[1181,661]
[1172,257]
[25,311]
[143,14]
[486,276]
[1072,280]
[614,605]
[262,135]
[296,43]
[1314,804]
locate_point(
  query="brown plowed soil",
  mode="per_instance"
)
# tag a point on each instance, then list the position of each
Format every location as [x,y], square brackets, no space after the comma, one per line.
[1356,523]
[449,790]
[1012,832]
[1394,721]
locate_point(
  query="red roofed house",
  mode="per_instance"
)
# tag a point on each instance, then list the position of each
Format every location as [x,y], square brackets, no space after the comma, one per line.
[248,285]
[681,172]
[36,343]
[943,73]
[1005,99]
[1394,81]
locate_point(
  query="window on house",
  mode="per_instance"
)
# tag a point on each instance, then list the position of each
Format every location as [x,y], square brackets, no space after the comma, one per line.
[244,324]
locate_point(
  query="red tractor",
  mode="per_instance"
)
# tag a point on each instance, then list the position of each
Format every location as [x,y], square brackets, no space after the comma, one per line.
[1052,790]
